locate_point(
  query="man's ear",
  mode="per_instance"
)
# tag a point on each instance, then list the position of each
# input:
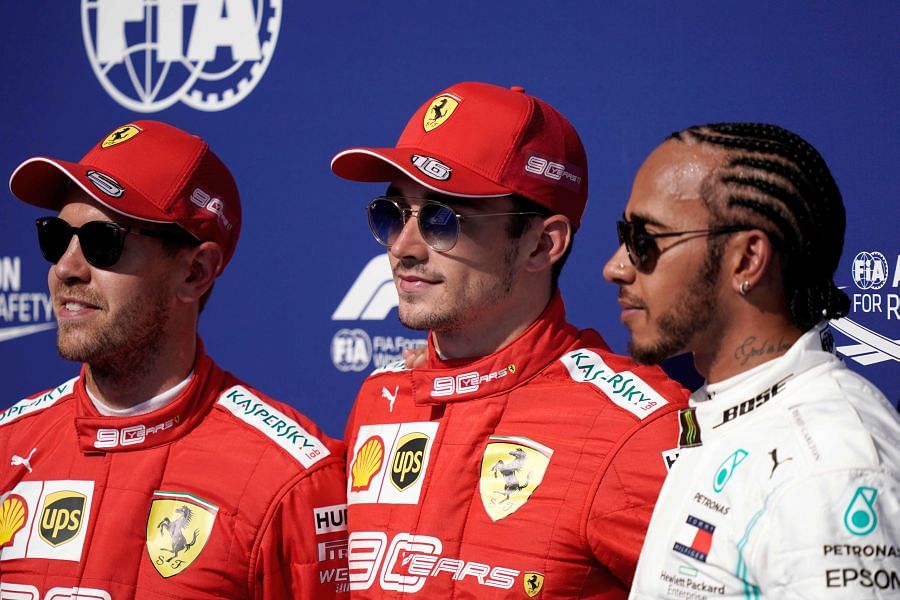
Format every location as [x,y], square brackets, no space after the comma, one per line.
[751,259]
[203,264]
[553,239]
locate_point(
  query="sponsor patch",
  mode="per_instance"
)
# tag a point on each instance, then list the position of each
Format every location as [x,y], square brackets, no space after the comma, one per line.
[178,527]
[367,463]
[700,534]
[727,468]
[30,405]
[280,428]
[860,517]
[330,518]
[431,167]
[688,428]
[105,184]
[61,517]
[512,468]
[45,519]
[625,389]
[439,111]
[13,515]
[533,582]
[388,463]
[122,134]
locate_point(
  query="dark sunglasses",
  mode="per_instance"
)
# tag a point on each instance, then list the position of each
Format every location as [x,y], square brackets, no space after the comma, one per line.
[438,223]
[643,251]
[101,241]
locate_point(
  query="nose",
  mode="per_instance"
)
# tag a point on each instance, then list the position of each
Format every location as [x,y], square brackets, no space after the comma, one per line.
[72,265]
[618,269]
[409,243]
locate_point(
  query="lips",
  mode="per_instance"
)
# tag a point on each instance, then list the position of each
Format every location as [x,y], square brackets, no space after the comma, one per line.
[73,307]
[631,305]
[415,282]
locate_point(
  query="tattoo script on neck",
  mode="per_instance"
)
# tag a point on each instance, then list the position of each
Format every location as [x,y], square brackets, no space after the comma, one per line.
[752,348]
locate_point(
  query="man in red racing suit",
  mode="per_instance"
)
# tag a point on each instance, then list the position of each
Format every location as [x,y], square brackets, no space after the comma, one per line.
[524,459]
[222,493]
[531,472]
[154,474]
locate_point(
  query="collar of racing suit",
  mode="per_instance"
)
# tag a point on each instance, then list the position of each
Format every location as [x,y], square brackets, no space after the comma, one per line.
[719,405]
[100,434]
[442,381]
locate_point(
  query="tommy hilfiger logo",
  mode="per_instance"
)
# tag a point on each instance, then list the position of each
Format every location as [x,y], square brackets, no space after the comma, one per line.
[701,535]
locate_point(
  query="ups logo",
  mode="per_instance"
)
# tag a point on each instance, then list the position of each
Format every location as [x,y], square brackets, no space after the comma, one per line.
[407,464]
[61,517]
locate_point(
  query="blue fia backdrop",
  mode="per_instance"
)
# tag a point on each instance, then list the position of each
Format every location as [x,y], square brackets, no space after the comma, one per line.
[305,309]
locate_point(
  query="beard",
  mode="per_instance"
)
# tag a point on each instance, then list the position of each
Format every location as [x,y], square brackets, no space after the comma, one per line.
[694,312]
[454,312]
[124,345]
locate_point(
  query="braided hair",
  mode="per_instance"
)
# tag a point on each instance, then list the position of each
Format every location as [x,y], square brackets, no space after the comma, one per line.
[775,180]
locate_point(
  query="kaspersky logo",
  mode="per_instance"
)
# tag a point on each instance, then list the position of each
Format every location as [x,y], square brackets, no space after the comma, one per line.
[371,297]
[208,54]
[21,312]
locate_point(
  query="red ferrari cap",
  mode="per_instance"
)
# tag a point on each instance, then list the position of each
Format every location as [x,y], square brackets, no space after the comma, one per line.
[145,170]
[477,140]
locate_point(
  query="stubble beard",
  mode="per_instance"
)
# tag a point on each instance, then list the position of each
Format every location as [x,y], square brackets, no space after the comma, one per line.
[694,312]
[122,349]
[415,313]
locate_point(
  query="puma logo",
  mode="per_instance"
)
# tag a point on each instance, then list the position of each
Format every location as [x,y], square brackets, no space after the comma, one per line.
[389,396]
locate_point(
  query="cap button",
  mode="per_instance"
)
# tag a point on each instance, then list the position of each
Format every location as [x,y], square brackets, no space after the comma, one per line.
[517,88]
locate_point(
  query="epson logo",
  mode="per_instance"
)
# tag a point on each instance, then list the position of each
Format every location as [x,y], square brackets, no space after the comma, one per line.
[465,383]
[105,184]
[432,167]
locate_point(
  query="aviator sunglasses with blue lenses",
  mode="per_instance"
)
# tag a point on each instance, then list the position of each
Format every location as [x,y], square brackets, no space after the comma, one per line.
[101,242]
[438,223]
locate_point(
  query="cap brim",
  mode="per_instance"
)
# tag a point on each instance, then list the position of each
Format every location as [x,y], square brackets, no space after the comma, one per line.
[384,164]
[41,181]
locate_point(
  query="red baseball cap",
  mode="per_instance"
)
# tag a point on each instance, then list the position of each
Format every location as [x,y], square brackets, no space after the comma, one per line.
[146,170]
[477,140]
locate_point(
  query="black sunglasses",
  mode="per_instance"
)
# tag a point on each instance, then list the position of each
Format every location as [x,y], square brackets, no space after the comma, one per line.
[101,241]
[438,223]
[643,251]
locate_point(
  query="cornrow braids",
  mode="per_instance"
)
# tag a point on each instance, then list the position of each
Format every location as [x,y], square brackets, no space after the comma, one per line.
[773,179]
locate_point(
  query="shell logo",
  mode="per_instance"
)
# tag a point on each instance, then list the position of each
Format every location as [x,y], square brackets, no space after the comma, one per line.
[367,464]
[13,514]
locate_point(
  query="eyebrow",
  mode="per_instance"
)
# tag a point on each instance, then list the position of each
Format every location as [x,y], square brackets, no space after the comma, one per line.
[644,219]
[451,201]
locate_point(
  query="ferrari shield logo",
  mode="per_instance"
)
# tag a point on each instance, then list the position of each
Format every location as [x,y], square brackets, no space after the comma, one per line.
[533,582]
[122,134]
[178,527]
[439,111]
[511,469]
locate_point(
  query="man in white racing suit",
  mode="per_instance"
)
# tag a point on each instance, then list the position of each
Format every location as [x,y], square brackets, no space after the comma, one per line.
[787,484]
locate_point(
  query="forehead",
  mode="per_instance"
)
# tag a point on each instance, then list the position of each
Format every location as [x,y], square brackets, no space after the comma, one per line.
[80,208]
[403,186]
[667,188]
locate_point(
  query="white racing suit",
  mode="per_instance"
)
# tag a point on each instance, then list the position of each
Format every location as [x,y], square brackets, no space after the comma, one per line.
[787,486]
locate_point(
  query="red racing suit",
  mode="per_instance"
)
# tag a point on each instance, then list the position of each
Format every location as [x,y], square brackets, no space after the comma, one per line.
[222,493]
[531,472]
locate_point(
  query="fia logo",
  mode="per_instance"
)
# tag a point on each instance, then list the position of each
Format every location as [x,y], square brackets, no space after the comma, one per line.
[208,54]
